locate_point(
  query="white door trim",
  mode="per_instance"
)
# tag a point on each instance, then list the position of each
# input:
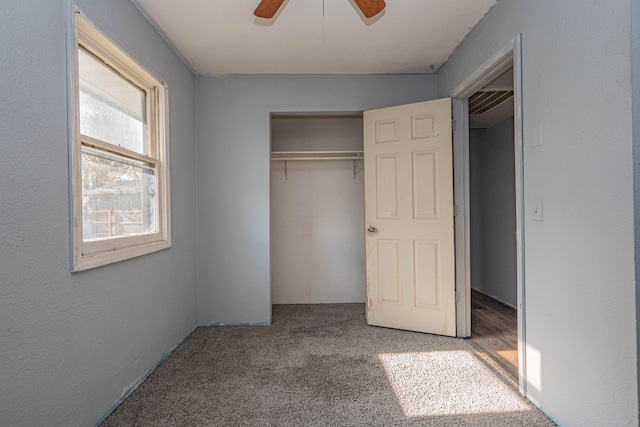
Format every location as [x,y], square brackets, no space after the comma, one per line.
[508,55]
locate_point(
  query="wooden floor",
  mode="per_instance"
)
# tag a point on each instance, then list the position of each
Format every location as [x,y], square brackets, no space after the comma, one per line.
[494,331]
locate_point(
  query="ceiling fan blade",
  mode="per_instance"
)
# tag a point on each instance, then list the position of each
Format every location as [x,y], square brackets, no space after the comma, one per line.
[371,8]
[268,8]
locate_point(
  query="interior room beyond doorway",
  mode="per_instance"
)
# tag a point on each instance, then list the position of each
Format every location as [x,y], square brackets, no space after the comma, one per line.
[493,222]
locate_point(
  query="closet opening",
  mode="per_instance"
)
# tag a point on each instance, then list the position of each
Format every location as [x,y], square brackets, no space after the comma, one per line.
[317,209]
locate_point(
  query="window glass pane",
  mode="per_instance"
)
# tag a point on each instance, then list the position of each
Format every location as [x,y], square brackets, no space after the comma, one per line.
[112,109]
[118,196]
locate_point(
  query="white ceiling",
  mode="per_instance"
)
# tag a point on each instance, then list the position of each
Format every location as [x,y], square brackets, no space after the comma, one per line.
[314,36]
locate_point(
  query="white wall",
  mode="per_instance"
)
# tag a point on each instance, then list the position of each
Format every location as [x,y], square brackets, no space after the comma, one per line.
[317,214]
[70,344]
[476,137]
[493,211]
[580,282]
[234,167]
[317,132]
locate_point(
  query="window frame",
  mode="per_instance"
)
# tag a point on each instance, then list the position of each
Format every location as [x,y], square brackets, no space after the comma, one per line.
[90,254]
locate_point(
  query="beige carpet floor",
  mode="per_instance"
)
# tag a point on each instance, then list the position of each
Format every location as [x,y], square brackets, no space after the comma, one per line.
[321,365]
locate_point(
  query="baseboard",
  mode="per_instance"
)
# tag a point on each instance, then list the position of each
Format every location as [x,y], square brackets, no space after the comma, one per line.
[495,298]
[134,385]
[238,324]
[314,302]
[537,405]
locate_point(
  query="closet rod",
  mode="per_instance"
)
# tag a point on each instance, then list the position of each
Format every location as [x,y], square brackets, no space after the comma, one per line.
[318,152]
[293,159]
[317,155]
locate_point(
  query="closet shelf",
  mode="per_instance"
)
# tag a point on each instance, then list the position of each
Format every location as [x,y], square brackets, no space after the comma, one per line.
[287,156]
[316,155]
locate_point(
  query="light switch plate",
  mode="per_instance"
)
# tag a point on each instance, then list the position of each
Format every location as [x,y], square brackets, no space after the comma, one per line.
[537,210]
[537,136]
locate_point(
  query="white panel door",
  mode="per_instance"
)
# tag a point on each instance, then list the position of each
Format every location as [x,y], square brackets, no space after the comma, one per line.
[409,216]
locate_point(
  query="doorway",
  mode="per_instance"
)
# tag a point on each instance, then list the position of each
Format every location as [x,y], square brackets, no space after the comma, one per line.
[507,58]
[494,322]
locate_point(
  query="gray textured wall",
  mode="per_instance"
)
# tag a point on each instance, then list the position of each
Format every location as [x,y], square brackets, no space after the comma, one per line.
[234,168]
[71,343]
[580,277]
[493,212]
[635,82]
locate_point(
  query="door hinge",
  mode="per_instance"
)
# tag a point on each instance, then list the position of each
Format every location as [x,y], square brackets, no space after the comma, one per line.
[457,296]
[456,210]
[453,125]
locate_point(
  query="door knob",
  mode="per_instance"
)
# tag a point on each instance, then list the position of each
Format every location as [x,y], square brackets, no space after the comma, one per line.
[371,229]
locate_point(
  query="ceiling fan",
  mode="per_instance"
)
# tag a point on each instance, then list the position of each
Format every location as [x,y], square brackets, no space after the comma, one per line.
[268,8]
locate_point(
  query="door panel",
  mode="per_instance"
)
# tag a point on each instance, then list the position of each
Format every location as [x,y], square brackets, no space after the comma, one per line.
[425,185]
[409,201]
[426,278]
[388,264]
[387,131]
[387,186]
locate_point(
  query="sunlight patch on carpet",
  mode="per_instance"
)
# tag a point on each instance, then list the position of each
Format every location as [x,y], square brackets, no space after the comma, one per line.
[447,383]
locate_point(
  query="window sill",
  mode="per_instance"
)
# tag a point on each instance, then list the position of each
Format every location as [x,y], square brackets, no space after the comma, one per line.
[86,262]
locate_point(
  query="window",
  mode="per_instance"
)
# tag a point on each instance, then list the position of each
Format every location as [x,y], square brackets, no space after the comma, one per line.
[118,154]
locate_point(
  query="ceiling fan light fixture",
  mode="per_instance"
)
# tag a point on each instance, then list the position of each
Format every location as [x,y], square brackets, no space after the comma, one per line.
[370,8]
[267,9]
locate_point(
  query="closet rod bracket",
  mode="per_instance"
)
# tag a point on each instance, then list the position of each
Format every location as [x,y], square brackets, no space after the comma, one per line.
[286,174]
